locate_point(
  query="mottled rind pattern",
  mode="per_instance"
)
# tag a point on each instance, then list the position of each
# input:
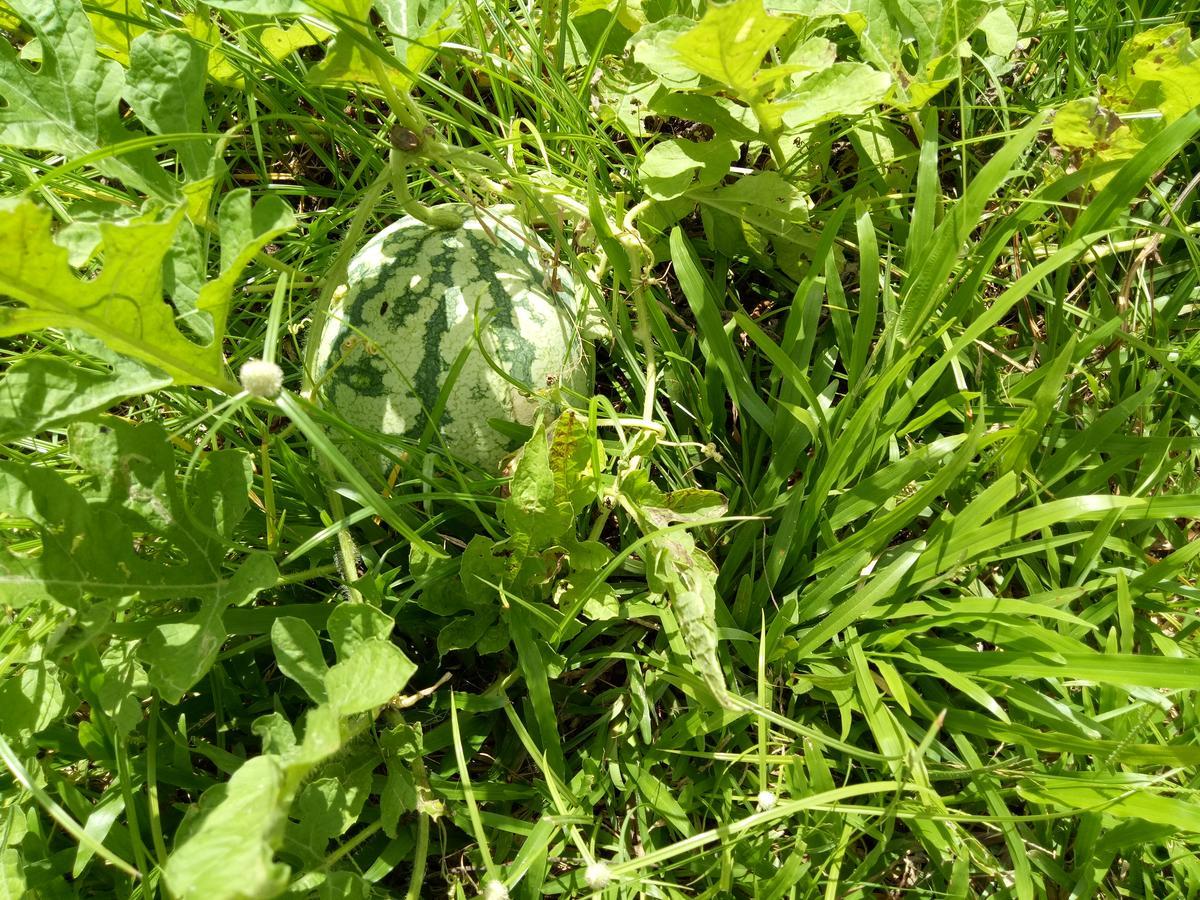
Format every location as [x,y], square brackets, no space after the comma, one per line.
[414,298]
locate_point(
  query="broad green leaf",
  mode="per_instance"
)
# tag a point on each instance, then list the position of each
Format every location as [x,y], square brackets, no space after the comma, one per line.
[375,673]
[1155,83]
[123,305]
[46,390]
[729,121]
[686,575]
[326,807]
[232,854]
[70,103]
[573,455]
[418,28]
[729,43]
[116,25]
[298,655]
[534,506]
[242,832]
[357,55]
[280,42]
[165,88]
[918,42]
[842,89]
[180,654]
[764,201]
[12,875]
[351,624]
[31,701]
[1084,124]
[654,48]
[400,745]
[1000,31]
[265,7]
[673,167]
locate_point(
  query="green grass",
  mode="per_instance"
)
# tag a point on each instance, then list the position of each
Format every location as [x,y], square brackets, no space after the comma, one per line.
[954,413]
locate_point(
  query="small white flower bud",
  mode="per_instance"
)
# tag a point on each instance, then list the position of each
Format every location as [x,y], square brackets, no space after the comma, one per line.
[262,379]
[597,876]
[494,890]
[766,800]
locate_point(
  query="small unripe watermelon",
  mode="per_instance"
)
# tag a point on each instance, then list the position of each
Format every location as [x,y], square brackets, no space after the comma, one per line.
[410,305]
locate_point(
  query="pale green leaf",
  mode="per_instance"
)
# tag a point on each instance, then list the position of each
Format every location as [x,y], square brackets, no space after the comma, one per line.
[842,89]
[1000,31]
[180,654]
[44,391]
[239,836]
[534,506]
[673,167]
[12,875]
[298,655]
[30,701]
[122,306]
[351,624]
[729,43]
[70,103]
[375,673]
[116,24]
[654,47]
[165,87]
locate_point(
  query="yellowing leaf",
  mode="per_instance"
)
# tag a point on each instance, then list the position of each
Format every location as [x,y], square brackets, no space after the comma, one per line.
[279,42]
[116,24]
[123,305]
[220,69]
[729,43]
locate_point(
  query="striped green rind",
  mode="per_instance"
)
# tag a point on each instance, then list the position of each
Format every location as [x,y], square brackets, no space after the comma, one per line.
[414,298]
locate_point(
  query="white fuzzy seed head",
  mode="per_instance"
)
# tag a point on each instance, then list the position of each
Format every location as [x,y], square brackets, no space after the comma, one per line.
[494,890]
[597,876]
[766,800]
[262,379]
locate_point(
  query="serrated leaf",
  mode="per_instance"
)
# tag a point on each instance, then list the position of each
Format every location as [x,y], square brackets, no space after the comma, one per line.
[729,43]
[44,391]
[123,305]
[180,654]
[298,655]
[375,673]
[165,87]
[70,104]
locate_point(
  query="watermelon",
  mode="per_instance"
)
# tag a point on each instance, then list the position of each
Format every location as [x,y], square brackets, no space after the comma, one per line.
[414,298]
